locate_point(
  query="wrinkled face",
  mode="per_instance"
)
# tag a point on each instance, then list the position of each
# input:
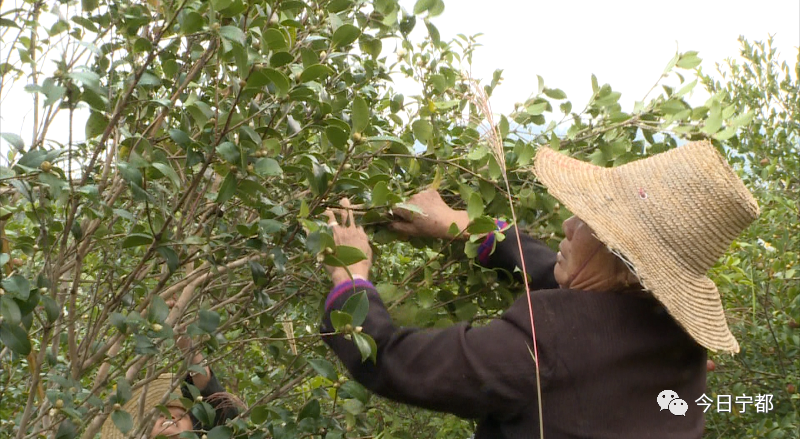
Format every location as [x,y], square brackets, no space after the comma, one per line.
[585,263]
[576,251]
[171,428]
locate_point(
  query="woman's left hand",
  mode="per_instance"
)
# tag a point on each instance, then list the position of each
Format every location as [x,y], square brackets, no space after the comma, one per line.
[345,232]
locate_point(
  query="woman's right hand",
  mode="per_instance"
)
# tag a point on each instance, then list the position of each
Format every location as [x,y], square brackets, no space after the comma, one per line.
[434,222]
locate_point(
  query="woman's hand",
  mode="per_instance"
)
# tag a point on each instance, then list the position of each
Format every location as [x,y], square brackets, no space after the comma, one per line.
[434,222]
[345,232]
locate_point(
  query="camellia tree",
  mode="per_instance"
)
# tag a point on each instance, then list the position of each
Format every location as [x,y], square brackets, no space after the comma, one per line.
[220,131]
[759,278]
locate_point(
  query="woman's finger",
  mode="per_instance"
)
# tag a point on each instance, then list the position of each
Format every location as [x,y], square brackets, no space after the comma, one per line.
[402,214]
[403,228]
[350,216]
[331,218]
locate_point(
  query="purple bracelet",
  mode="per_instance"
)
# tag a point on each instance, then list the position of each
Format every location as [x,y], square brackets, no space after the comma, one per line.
[485,249]
[343,287]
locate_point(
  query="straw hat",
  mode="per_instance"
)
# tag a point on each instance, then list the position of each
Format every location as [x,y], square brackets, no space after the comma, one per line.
[670,216]
[154,394]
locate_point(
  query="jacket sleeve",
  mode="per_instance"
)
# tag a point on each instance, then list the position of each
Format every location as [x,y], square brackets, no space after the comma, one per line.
[469,371]
[214,393]
[539,258]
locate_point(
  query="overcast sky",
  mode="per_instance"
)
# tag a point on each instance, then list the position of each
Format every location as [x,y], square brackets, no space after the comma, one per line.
[624,43]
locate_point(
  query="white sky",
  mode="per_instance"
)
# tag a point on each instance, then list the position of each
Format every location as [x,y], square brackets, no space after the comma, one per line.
[624,43]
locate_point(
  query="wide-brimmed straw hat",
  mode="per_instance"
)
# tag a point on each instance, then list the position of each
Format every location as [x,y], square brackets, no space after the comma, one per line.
[154,394]
[670,216]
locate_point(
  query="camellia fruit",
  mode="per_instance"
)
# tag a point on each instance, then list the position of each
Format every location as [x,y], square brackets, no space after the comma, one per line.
[710,366]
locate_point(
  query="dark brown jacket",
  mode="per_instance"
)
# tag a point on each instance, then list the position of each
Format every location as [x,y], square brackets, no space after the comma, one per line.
[604,359]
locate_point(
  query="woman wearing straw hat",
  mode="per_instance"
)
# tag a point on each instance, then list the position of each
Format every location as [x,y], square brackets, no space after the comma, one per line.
[174,394]
[623,312]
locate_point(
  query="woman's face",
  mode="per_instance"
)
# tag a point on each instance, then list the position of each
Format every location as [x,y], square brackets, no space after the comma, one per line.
[575,250]
[171,428]
[585,263]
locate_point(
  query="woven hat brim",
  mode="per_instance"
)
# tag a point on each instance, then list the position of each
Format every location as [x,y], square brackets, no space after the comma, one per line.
[602,199]
[154,397]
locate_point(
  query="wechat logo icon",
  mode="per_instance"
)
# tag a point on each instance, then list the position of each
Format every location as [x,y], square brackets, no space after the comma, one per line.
[669,400]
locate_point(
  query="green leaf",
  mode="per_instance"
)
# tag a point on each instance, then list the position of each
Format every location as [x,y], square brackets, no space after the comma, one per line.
[340,319]
[130,173]
[739,121]
[168,172]
[673,106]
[714,121]
[536,109]
[149,80]
[438,82]
[279,79]
[260,414]
[357,306]
[227,189]
[555,93]
[122,420]
[481,225]
[209,320]
[66,428]
[370,46]
[345,35]
[689,60]
[423,130]
[192,22]
[88,78]
[158,310]
[314,72]
[230,152]
[366,345]
[17,286]
[136,240]
[270,226]
[686,89]
[337,136]
[220,432]
[51,309]
[10,310]
[95,125]
[280,59]
[15,337]
[232,34]
[324,368]
[4,258]
[380,193]
[360,114]
[221,4]
[14,139]
[204,413]
[310,410]
[725,134]
[423,5]
[474,206]
[179,136]
[267,167]
[170,257]
[275,40]
[356,390]
[344,255]
[525,155]
[119,321]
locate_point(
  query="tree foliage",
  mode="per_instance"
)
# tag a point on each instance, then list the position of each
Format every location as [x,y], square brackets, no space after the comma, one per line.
[218,133]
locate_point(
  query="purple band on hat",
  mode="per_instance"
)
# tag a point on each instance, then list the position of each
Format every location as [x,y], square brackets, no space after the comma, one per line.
[343,287]
[485,249]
